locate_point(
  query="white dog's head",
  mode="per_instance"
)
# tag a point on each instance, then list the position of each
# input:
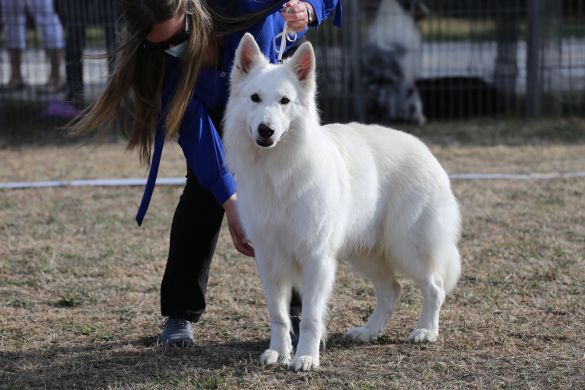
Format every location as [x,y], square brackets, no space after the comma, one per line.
[270,99]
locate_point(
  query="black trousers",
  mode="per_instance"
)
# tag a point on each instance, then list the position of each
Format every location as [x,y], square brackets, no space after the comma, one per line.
[194,234]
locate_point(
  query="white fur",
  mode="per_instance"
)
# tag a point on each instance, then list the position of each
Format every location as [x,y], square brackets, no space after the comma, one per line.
[370,194]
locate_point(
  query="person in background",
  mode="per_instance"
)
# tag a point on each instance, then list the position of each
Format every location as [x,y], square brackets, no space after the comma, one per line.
[171,77]
[49,25]
[77,15]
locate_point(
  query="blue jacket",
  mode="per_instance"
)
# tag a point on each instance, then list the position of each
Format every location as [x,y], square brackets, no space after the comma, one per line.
[198,137]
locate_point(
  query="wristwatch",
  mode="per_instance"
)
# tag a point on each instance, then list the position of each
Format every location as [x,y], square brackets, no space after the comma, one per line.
[310,15]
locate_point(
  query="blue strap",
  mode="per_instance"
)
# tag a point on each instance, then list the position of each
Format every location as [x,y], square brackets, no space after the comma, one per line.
[151,181]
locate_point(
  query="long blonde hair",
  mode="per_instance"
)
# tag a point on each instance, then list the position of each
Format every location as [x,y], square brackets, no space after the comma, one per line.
[132,94]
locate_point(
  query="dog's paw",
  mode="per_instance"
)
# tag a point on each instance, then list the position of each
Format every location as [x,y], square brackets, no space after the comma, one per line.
[360,334]
[285,359]
[305,363]
[271,357]
[423,335]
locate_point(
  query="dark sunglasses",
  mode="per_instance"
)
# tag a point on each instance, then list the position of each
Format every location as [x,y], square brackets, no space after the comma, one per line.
[175,40]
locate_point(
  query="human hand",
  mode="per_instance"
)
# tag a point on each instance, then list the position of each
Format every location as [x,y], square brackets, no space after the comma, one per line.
[296,15]
[235,226]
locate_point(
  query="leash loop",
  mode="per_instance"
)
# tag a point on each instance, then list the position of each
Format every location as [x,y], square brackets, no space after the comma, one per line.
[283,36]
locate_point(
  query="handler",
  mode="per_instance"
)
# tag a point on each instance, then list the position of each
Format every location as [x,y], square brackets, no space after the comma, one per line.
[171,81]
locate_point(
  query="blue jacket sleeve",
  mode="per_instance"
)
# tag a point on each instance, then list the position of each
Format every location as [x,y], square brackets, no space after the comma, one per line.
[324,8]
[265,31]
[203,151]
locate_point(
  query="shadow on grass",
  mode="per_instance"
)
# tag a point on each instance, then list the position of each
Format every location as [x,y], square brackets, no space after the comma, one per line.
[338,341]
[142,361]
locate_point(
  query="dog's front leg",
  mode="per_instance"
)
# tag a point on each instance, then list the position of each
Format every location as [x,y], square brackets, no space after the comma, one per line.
[318,277]
[277,289]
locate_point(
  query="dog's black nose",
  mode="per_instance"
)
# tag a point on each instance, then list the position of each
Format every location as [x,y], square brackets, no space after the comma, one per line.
[265,131]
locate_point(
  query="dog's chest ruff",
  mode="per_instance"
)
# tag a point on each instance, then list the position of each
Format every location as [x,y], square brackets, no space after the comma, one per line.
[290,207]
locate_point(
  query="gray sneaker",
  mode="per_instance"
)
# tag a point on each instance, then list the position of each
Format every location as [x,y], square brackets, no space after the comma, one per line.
[177,332]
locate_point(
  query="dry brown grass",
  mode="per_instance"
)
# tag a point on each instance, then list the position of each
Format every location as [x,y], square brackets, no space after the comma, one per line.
[79,282]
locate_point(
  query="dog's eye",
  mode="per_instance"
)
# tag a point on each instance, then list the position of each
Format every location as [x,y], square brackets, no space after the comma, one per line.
[256,98]
[284,100]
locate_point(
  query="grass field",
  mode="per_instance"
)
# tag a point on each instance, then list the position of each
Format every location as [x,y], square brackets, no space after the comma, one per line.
[79,281]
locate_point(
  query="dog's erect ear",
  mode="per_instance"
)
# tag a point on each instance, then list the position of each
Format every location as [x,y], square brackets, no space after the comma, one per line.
[302,64]
[248,55]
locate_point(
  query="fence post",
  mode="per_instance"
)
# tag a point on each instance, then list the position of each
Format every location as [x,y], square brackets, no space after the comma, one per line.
[543,66]
[355,45]
[533,68]
[506,67]
[551,58]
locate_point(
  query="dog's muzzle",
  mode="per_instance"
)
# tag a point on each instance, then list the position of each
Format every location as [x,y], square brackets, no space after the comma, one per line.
[265,133]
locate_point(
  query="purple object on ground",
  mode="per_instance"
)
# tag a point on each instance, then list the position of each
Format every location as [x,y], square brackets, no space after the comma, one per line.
[60,109]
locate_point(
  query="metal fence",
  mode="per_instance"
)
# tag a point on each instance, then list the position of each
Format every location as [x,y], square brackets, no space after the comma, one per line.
[477,57]
[451,59]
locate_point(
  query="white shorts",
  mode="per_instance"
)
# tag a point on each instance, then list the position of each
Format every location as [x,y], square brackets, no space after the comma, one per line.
[46,20]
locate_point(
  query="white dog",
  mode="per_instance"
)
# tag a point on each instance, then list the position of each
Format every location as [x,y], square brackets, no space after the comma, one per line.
[309,194]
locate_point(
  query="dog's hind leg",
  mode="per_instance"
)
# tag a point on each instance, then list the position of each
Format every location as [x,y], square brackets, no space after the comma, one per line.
[278,293]
[387,293]
[427,327]
[318,278]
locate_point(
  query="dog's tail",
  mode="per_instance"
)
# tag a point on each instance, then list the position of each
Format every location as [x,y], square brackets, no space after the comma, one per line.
[451,270]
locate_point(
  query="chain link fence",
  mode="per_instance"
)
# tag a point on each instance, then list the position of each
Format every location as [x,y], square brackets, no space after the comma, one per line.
[55,59]
[393,60]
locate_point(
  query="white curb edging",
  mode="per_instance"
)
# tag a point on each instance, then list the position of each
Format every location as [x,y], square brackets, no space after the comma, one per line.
[177,181]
